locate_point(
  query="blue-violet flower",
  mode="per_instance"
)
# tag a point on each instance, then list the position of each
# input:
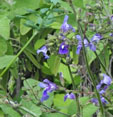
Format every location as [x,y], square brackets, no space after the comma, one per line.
[44,51]
[48,87]
[65,26]
[63,49]
[70,96]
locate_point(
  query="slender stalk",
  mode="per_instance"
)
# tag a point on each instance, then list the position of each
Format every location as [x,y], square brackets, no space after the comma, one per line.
[77,97]
[18,54]
[28,111]
[90,73]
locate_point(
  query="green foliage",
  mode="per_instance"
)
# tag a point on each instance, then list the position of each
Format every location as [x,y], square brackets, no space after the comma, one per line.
[4,60]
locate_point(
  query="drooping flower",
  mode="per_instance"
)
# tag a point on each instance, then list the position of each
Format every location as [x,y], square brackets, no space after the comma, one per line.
[70,96]
[65,26]
[63,49]
[44,51]
[48,87]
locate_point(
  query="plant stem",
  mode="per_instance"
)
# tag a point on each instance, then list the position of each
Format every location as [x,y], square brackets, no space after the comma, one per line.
[74,87]
[18,54]
[89,71]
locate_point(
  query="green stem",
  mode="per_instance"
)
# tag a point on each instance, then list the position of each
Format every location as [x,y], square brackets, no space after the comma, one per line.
[28,111]
[90,73]
[18,54]
[77,97]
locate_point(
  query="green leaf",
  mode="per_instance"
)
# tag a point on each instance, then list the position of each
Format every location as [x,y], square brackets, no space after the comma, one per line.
[78,3]
[89,110]
[54,63]
[60,104]
[9,110]
[64,69]
[5,60]
[39,43]
[3,47]
[75,56]
[30,83]
[55,1]
[52,115]
[72,109]
[21,7]
[5,27]
[31,58]
[30,107]
[1,113]
[24,29]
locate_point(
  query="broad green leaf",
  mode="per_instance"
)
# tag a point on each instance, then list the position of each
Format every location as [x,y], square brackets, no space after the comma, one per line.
[52,115]
[4,60]
[60,104]
[31,107]
[4,28]
[78,3]
[65,6]
[54,63]
[9,110]
[21,7]
[55,1]
[1,113]
[64,69]
[39,43]
[30,83]
[72,109]
[3,46]
[89,110]
[24,29]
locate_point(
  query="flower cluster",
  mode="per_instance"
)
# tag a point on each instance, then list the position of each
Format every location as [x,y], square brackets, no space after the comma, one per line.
[102,87]
[48,87]
[90,44]
[63,49]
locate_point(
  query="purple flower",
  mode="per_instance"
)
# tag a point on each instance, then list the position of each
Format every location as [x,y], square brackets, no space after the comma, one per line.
[65,26]
[48,87]
[106,82]
[103,100]
[111,34]
[70,96]
[79,47]
[63,48]
[90,44]
[44,51]
[95,100]
[96,38]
